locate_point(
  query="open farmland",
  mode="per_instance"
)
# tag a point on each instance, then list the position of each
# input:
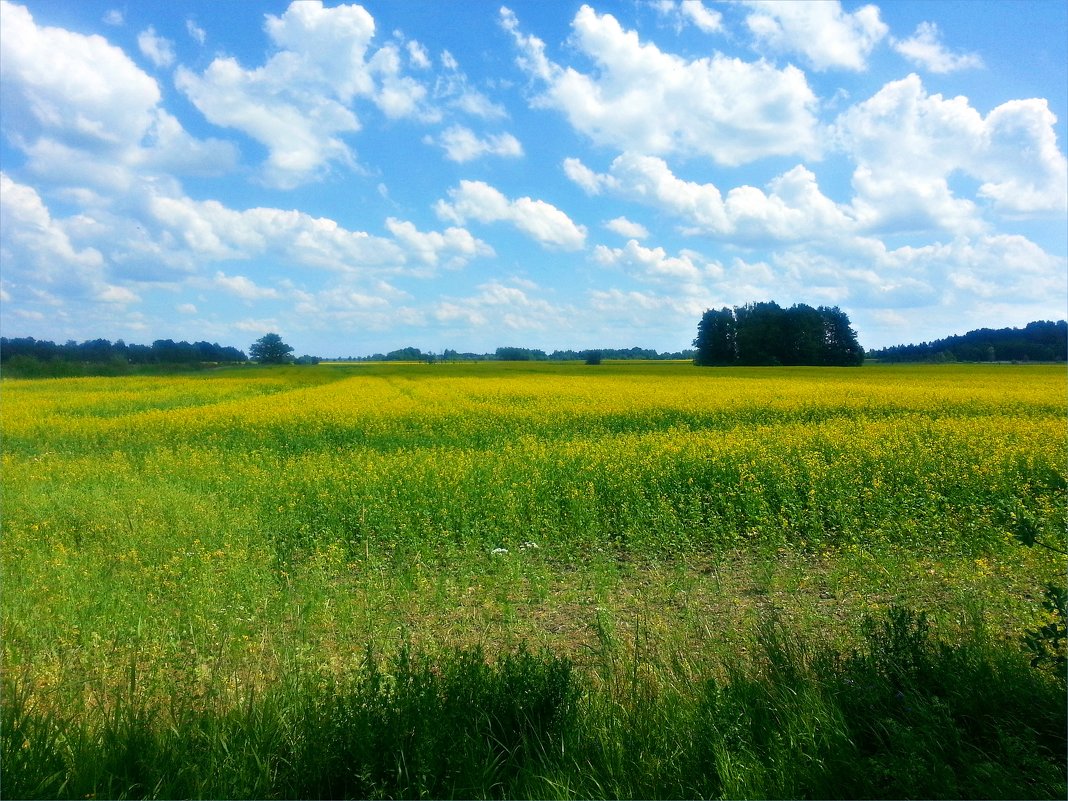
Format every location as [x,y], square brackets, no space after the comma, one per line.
[183,548]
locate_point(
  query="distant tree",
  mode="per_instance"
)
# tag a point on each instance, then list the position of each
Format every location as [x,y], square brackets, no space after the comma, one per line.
[270,349]
[593,357]
[512,354]
[409,354]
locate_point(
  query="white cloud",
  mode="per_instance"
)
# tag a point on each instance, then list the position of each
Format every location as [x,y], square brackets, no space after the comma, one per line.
[793,208]
[109,293]
[502,306]
[461,144]
[907,144]
[650,311]
[820,32]
[243,287]
[418,55]
[693,12]
[36,246]
[114,17]
[453,247]
[653,264]
[703,18]
[543,222]
[186,308]
[591,182]
[298,104]
[76,87]
[627,228]
[642,99]
[198,34]
[81,110]
[157,49]
[452,88]
[37,252]
[925,50]
[208,230]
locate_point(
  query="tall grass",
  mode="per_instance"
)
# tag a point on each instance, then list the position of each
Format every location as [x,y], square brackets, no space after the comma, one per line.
[902,716]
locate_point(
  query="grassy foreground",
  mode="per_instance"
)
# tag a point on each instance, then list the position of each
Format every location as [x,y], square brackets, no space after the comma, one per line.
[533,580]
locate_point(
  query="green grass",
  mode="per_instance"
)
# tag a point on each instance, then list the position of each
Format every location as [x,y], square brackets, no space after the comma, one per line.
[902,716]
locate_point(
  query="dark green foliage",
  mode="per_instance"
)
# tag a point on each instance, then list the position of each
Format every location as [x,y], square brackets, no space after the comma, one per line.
[717,338]
[1042,340]
[33,358]
[513,354]
[270,349]
[458,727]
[1047,642]
[766,334]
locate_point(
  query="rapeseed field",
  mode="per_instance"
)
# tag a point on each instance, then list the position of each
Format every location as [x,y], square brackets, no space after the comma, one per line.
[176,550]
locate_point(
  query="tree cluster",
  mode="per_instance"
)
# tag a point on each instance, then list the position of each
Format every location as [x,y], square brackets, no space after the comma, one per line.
[1040,341]
[96,351]
[760,334]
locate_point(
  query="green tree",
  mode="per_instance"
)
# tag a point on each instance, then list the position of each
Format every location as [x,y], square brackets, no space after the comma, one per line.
[270,349]
[767,334]
[716,340]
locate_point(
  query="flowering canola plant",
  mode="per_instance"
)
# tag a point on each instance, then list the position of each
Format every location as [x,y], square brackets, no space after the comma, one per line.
[168,517]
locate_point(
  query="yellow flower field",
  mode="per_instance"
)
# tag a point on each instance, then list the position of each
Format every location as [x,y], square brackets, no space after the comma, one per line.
[201,531]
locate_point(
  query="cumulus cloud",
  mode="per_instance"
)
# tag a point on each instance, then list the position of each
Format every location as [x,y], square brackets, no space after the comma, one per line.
[35,243]
[209,230]
[242,287]
[499,305]
[627,228]
[908,143]
[80,109]
[461,144]
[653,264]
[155,48]
[792,208]
[40,260]
[642,99]
[298,104]
[824,35]
[453,247]
[543,222]
[925,50]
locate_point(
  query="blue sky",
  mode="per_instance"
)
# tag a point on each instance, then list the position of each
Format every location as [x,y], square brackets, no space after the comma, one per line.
[468,175]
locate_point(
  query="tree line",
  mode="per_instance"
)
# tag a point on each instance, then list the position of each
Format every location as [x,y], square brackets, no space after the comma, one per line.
[103,350]
[764,334]
[519,354]
[1039,341]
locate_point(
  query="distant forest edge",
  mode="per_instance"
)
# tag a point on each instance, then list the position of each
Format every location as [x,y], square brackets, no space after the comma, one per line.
[38,357]
[1040,341]
[25,356]
[29,357]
